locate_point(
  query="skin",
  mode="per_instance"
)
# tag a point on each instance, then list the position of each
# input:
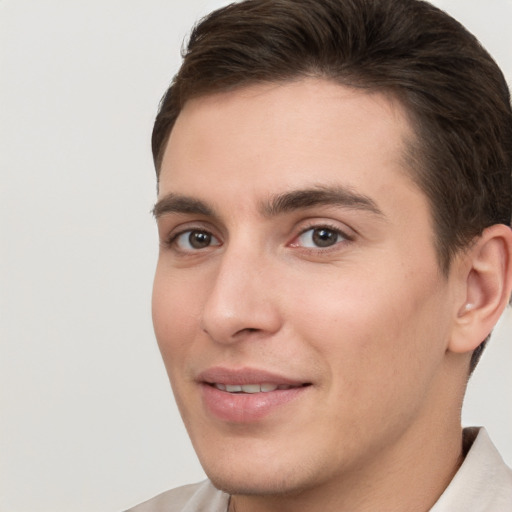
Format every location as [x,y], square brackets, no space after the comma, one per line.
[367,320]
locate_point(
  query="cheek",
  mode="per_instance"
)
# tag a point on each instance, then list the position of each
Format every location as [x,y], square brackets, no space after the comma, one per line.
[174,312]
[374,344]
[375,332]
[174,322]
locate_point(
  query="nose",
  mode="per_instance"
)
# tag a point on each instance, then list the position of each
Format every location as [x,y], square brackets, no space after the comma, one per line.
[242,302]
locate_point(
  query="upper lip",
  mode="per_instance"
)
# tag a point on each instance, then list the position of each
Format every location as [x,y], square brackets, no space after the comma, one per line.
[246,375]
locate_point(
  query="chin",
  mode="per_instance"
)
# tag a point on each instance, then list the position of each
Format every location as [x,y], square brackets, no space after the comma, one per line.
[254,485]
[250,477]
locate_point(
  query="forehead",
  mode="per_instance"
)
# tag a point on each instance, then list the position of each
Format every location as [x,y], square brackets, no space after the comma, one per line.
[268,138]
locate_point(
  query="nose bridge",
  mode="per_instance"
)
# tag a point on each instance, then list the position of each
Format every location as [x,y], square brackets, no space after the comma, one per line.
[240,299]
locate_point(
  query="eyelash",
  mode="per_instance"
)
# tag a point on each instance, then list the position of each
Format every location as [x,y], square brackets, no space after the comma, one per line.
[172,240]
[329,227]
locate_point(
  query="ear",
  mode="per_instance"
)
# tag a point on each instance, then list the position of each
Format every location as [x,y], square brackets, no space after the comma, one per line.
[485,271]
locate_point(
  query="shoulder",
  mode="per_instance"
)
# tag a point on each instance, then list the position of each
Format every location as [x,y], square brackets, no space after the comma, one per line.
[200,497]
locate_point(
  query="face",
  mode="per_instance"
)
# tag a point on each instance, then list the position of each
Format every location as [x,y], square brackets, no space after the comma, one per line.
[298,302]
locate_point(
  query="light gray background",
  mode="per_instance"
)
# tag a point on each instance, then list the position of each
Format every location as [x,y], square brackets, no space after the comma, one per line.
[87,419]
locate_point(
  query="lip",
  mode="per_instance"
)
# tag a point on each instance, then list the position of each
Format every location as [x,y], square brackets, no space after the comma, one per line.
[241,376]
[246,408]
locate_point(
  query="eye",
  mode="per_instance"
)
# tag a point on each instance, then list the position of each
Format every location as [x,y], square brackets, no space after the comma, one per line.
[194,239]
[319,237]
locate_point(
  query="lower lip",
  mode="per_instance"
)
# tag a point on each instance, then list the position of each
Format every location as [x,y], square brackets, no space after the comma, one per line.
[246,407]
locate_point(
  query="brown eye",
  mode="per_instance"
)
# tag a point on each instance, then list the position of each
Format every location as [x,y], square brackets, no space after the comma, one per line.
[195,239]
[199,239]
[324,237]
[320,237]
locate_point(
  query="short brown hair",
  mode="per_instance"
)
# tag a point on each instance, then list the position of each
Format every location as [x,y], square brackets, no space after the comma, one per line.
[452,89]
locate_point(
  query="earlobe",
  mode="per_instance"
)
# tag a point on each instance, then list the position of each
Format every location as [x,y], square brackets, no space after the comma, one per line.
[487,284]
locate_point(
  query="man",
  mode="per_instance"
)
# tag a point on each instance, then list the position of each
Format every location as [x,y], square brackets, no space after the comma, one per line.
[333,210]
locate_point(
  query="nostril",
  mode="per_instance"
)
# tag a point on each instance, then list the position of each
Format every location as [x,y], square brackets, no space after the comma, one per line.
[247,330]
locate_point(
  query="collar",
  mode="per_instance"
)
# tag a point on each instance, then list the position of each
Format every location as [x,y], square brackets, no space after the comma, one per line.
[483,483]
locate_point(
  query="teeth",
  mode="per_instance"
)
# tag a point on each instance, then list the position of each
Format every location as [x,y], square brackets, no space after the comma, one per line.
[233,389]
[250,388]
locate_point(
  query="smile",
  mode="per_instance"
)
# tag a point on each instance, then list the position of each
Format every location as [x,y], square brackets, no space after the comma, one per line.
[248,395]
[252,388]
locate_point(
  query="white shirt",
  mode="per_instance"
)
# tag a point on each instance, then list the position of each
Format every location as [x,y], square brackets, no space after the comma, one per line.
[483,483]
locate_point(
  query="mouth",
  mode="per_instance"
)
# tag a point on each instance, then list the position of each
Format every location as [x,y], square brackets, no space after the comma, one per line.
[254,388]
[248,395]
[248,380]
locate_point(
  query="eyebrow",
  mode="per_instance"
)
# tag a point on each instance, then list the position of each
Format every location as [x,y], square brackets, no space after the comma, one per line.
[177,203]
[279,204]
[320,196]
